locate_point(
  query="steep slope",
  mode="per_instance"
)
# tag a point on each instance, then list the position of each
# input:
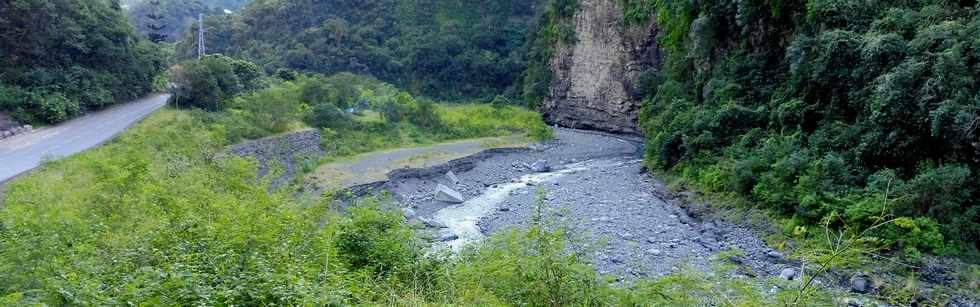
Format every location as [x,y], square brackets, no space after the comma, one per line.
[597,76]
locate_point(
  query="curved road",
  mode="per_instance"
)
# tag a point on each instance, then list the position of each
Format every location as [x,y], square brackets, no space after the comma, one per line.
[25,152]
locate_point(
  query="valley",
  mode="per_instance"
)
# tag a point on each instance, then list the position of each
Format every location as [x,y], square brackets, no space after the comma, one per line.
[490,153]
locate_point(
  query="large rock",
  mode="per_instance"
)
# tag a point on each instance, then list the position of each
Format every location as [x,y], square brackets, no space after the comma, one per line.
[597,77]
[446,235]
[861,283]
[452,177]
[447,194]
[787,274]
[541,166]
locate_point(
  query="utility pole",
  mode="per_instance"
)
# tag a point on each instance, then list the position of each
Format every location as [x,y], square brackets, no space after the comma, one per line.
[200,36]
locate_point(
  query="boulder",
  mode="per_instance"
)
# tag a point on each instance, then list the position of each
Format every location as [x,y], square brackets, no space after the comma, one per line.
[775,254]
[787,274]
[541,166]
[452,177]
[408,212]
[447,194]
[861,283]
[432,223]
[446,235]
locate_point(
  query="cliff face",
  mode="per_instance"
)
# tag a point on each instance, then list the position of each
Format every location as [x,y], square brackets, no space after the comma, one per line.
[595,77]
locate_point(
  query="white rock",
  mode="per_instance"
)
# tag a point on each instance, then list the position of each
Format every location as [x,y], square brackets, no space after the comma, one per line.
[408,212]
[787,274]
[447,194]
[452,177]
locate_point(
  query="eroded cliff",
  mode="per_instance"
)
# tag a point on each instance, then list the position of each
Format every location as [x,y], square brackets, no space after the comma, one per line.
[595,83]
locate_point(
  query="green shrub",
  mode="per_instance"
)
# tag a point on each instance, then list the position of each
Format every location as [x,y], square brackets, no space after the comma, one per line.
[85,56]
[376,240]
[802,103]
[57,108]
[207,83]
[328,116]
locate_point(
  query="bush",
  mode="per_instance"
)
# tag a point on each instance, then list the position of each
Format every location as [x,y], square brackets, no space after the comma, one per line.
[376,240]
[84,56]
[861,86]
[207,83]
[57,108]
[327,115]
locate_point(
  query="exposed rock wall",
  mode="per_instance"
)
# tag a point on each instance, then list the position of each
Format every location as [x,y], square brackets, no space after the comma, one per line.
[595,78]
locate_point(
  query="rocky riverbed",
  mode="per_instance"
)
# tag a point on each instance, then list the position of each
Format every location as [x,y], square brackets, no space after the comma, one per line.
[593,183]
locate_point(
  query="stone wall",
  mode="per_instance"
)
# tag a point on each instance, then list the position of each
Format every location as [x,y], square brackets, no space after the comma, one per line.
[287,151]
[595,78]
[10,128]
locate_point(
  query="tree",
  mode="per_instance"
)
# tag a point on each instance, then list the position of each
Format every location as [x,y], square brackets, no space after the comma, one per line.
[156,25]
[72,55]
[208,82]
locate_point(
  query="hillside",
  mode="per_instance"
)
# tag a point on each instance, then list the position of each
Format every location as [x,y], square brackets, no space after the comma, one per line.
[62,58]
[177,15]
[818,109]
[442,48]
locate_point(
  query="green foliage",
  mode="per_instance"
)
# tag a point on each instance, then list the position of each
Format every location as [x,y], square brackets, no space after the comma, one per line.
[177,15]
[62,58]
[157,218]
[819,107]
[326,115]
[207,83]
[445,49]
[153,218]
[376,240]
[555,26]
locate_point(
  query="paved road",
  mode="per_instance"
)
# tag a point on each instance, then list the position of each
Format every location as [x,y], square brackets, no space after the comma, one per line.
[24,152]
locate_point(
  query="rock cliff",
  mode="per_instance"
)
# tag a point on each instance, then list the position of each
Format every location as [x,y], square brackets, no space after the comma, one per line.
[595,77]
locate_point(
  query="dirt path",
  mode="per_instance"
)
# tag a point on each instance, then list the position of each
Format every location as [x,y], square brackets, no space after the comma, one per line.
[374,167]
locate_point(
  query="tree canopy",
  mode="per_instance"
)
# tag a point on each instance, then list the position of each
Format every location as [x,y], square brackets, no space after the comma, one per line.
[176,15]
[824,108]
[63,57]
[438,48]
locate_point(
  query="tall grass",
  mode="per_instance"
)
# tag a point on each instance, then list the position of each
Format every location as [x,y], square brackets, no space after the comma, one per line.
[157,218]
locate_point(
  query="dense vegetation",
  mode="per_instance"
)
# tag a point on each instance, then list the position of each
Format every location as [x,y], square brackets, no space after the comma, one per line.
[448,49]
[155,219]
[177,15]
[821,109]
[357,113]
[61,58]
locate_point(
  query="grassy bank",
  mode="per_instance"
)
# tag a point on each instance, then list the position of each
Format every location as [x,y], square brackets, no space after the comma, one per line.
[152,218]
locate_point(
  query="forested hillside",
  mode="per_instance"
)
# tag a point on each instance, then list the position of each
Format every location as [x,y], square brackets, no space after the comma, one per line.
[176,15]
[826,110]
[439,48]
[61,58]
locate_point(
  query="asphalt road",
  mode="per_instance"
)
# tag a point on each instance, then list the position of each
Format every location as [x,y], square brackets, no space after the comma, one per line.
[25,152]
